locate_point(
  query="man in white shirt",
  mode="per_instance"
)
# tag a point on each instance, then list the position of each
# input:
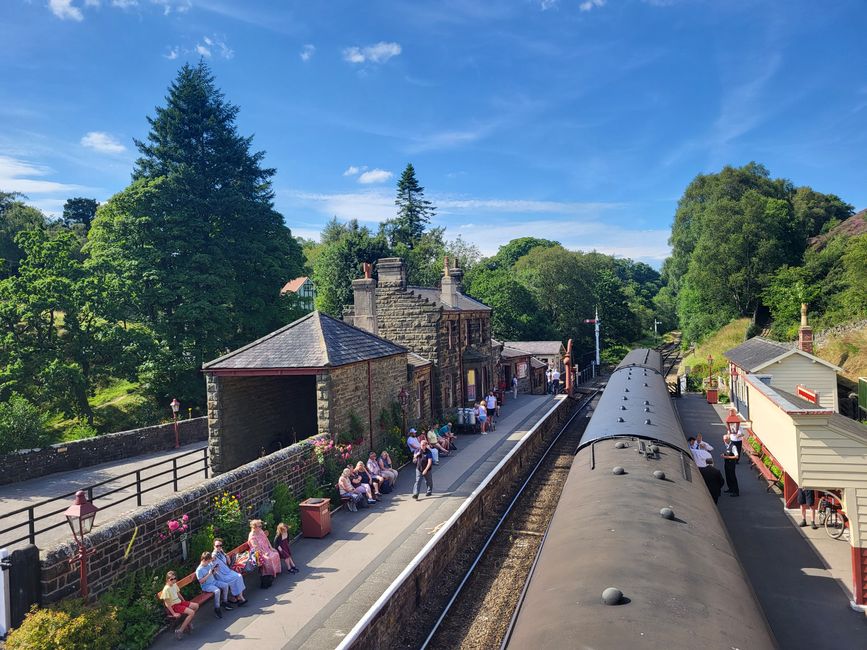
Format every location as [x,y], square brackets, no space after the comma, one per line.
[737,439]
[555,381]
[699,454]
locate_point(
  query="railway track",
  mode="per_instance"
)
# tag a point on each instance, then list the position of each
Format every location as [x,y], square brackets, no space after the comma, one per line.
[479,613]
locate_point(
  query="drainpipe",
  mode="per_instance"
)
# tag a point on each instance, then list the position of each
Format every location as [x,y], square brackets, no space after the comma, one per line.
[369,405]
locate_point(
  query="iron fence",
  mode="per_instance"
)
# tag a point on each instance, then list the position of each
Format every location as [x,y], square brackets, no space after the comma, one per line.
[177,465]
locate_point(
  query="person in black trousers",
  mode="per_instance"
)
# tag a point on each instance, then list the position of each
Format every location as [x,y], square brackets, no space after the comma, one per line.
[730,454]
[712,478]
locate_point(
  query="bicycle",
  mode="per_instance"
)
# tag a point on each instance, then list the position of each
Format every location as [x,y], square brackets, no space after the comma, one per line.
[833,518]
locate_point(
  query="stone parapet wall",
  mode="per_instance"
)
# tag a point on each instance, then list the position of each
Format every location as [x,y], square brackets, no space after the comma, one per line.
[422,580]
[66,456]
[107,559]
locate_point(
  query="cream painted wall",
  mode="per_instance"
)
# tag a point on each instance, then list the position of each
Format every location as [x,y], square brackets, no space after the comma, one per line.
[776,429]
[795,369]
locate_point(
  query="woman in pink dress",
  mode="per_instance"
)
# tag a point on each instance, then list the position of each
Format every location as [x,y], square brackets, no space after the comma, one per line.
[269,558]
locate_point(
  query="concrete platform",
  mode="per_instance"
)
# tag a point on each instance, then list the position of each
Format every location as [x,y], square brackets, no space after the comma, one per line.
[28,493]
[801,576]
[343,574]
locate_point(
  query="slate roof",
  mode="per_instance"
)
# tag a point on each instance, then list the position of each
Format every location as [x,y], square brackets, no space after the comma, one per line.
[546,348]
[755,353]
[465,303]
[850,426]
[417,361]
[535,363]
[511,353]
[313,341]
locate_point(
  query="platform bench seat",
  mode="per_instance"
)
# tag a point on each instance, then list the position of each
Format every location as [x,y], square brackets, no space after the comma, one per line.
[763,470]
[204,596]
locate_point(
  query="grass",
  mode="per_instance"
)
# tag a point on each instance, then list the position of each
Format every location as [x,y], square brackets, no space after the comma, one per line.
[849,351]
[114,409]
[725,338]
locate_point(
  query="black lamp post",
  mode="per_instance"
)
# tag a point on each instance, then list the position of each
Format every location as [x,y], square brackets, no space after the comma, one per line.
[80,516]
[176,406]
[403,398]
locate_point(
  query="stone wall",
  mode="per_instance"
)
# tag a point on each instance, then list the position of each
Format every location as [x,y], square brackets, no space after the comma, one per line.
[348,393]
[107,560]
[448,364]
[62,457]
[251,414]
[397,606]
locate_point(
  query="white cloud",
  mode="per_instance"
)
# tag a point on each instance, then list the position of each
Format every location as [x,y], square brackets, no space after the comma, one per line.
[374,176]
[65,10]
[352,170]
[102,142]
[173,54]
[14,173]
[124,4]
[307,52]
[547,4]
[591,4]
[377,53]
[210,46]
[180,6]
[524,206]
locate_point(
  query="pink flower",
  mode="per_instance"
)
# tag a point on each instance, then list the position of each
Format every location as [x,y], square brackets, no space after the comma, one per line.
[185,518]
[173,525]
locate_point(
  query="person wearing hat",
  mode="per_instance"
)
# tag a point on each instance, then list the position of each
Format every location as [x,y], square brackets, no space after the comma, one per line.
[412,441]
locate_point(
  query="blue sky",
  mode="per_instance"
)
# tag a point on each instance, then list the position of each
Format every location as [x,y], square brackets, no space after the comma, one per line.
[581,121]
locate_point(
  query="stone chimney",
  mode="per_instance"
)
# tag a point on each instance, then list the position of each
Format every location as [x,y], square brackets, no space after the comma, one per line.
[364,299]
[805,332]
[391,272]
[448,287]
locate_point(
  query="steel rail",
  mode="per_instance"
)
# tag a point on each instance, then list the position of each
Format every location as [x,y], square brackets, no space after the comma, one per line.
[505,515]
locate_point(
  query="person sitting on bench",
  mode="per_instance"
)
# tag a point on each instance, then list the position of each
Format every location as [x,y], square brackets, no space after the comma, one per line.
[177,606]
[205,574]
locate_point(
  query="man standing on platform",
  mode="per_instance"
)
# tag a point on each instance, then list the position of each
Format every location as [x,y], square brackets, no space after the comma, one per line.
[807,498]
[712,478]
[548,380]
[730,454]
[515,387]
[555,381]
[423,460]
[738,437]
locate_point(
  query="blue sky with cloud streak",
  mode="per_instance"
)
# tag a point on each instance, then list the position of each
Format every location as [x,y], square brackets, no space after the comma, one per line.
[580,121]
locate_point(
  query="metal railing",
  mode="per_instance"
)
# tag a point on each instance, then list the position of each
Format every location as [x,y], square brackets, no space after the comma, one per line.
[175,471]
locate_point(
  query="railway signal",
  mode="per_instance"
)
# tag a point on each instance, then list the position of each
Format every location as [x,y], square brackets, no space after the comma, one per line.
[596,322]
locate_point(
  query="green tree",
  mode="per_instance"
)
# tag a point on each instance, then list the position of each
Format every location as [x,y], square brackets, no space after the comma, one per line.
[15,217]
[196,236]
[22,425]
[516,315]
[60,330]
[339,262]
[80,210]
[414,212]
[817,213]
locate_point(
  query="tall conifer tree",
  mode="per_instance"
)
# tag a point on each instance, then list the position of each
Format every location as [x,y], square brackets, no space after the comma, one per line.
[414,212]
[203,249]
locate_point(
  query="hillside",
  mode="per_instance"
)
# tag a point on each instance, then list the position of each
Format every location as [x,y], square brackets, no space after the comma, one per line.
[852,227]
[846,347]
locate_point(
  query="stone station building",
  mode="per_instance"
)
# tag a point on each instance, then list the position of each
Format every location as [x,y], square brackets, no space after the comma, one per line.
[440,324]
[306,378]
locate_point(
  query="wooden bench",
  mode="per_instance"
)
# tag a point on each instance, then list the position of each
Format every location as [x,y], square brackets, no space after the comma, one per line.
[205,596]
[756,458]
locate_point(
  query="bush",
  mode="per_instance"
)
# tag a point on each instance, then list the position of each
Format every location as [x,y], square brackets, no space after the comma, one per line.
[71,624]
[79,431]
[138,612]
[22,425]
